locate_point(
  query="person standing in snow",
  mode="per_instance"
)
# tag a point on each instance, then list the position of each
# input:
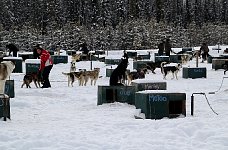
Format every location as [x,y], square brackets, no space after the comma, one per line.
[204,51]
[84,50]
[46,64]
[168,47]
[161,48]
[12,48]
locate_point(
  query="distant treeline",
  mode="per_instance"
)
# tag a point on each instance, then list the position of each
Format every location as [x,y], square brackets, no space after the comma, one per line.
[113,24]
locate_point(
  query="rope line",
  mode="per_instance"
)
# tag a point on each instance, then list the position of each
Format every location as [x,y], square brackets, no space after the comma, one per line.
[209,104]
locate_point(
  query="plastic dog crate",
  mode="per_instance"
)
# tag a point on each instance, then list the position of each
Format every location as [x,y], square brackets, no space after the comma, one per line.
[143,84]
[110,70]
[4,106]
[17,61]
[162,58]
[112,61]
[185,49]
[157,105]
[140,64]
[194,72]
[146,56]
[71,52]
[9,88]
[110,94]
[132,54]
[59,59]
[210,58]
[175,58]
[32,65]
[218,63]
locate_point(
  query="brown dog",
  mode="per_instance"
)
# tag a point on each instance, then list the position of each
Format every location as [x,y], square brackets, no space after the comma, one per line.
[92,75]
[31,77]
[139,74]
[72,76]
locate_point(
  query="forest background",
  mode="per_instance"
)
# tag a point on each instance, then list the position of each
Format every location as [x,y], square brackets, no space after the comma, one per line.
[112,24]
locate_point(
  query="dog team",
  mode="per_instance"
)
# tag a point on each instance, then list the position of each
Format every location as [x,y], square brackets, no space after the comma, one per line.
[119,76]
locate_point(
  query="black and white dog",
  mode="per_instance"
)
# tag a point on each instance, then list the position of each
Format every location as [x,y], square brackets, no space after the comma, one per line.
[118,74]
[170,68]
[72,66]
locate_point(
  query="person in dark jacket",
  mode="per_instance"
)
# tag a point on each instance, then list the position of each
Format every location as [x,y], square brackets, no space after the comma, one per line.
[46,64]
[84,48]
[12,48]
[204,51]
[168,47]
[161,48]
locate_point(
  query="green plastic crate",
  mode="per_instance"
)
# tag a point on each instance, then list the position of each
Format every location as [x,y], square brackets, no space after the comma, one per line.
[59,59]
[146,56]
[132,54]
[185,49]
[110,70]
[9,88]
[4,107]
[18,63]
[193,73]
[218,63]
[175,58]
[32,65]
[142,85]
[162,58]
[71,52]
[112,61]
[109,94]
[140,64]
[157,105]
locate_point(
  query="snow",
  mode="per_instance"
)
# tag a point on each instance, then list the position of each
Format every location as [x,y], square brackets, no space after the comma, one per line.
[68,118]
[12,58]
[147,81]
[32,61]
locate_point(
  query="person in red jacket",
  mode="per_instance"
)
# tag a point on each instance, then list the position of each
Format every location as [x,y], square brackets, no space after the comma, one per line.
[46,64]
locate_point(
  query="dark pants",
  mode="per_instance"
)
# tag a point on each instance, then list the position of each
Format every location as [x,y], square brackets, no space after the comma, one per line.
[14,53]
[205,55]
[45,74]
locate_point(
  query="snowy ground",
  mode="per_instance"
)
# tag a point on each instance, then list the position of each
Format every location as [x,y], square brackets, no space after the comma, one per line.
[68,118]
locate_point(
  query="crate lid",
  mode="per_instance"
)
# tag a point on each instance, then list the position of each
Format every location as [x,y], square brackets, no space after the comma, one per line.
[147,81]
[158,91]
[32,61]
[12,58]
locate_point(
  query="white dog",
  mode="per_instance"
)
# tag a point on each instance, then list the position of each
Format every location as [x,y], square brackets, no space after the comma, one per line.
[6,68]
